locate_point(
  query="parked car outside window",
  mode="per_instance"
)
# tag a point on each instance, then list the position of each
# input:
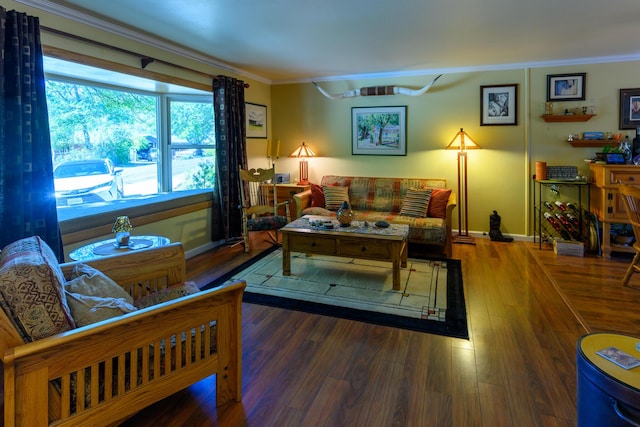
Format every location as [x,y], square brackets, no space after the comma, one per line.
[87,181]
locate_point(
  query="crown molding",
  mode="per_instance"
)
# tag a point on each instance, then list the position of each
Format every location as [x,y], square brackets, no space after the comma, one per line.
[110,27]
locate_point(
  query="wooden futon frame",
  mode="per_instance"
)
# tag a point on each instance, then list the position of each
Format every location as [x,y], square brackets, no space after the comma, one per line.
[103,373]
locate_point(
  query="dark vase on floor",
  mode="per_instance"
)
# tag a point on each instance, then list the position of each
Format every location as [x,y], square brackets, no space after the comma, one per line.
[345,215]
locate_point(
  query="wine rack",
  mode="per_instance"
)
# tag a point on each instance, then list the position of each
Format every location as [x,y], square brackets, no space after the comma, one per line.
[559,211]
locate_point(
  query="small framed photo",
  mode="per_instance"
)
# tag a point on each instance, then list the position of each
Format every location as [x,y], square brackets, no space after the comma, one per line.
[629,108]
[379,131]
[566,87]
[499,105]
[256,118]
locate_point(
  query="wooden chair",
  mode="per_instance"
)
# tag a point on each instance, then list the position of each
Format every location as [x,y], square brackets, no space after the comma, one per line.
[260,205]
[631,198]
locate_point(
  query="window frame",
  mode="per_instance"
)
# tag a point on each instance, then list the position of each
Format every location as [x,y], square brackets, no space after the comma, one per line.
[163,131]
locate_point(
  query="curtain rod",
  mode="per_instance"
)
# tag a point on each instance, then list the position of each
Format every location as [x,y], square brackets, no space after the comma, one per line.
[144,59]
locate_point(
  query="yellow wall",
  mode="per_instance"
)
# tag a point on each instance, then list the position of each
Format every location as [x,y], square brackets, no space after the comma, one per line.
[499,174]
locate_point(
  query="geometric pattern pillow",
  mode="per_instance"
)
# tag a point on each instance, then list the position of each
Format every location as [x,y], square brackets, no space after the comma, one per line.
[416,203]
[334,196]
[32,289]
[438,203]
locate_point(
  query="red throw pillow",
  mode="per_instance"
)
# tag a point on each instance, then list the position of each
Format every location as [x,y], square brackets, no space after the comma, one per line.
[317,196]
[438,203]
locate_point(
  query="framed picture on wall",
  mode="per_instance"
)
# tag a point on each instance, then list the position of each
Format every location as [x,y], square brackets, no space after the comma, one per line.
[256,118]
[566,87]
[379,131]
[629,108]
[499,105]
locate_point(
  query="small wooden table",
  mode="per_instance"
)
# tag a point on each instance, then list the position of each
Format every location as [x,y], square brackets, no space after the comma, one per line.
[356,241]
[108,247]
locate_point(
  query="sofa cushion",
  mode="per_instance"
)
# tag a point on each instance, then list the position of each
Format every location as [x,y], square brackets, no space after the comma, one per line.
[334,196]
[86,280]
[438,202]
[416,202]
[317,196]
[421,230]
[88,309]
[167,294]
[31,289]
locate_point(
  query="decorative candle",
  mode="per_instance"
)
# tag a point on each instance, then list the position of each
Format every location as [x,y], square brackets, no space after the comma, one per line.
[268,148]
[277,150]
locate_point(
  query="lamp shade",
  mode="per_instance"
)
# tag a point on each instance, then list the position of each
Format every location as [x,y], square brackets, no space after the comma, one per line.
[462,141]
[122,224]
[303,150]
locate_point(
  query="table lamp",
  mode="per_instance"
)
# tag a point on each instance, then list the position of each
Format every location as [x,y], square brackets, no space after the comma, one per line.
[122,228]
[303,152]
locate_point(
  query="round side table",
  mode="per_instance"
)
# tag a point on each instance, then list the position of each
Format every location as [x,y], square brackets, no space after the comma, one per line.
[608,394]
[108,247]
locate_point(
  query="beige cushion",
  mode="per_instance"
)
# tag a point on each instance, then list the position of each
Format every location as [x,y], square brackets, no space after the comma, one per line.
[167,294]
[86,280]
[92,296]
[334,196]
[416,203]
[31,289]
[88,309]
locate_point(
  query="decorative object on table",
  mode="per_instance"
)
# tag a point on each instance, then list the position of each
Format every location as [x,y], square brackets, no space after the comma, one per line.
[122,228]
[345,215]
[566,87]
[303,152]
[378,90]
[462,142]
[256,120]
[629,108]
[499,105]
[494,229]
[379,131]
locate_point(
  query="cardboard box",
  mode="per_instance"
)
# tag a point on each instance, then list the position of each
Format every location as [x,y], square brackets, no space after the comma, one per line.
[568,247]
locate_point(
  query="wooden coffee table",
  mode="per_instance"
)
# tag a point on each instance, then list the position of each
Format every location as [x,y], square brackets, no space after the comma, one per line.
[356,241]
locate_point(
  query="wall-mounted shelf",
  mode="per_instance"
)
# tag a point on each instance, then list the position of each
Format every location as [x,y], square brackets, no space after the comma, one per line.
[567,117]
[593,142]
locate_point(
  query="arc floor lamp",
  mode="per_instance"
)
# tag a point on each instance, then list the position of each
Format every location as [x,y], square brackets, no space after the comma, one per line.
[462,142]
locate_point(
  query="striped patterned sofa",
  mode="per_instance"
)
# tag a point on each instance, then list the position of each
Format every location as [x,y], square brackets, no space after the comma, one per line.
[374,199]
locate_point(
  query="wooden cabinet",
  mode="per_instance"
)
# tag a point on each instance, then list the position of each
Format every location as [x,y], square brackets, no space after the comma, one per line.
[606,203]
[285,192]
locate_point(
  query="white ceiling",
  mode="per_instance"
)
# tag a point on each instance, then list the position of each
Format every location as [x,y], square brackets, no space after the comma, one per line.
[301,40]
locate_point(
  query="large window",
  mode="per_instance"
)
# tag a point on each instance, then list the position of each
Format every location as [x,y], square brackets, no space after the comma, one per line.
[111,142]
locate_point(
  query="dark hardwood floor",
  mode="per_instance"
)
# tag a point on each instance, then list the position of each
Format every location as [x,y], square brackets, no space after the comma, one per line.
[526,310]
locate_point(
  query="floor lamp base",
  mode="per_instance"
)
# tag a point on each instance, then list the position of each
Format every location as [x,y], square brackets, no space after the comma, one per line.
[465,240]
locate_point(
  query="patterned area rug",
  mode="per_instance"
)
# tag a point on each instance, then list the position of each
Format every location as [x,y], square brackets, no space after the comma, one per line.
[430,299]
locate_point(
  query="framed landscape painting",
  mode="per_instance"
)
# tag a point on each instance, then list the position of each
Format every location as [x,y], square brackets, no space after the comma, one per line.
[256,120]
[379,131]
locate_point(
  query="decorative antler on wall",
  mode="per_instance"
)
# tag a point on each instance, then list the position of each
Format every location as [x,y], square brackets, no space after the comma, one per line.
[378,90]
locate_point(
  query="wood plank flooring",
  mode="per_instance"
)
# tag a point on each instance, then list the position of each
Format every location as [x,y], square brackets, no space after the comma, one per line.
[526,310]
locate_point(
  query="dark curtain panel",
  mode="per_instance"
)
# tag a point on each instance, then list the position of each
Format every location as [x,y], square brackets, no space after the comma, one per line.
[231,151]
[27,198]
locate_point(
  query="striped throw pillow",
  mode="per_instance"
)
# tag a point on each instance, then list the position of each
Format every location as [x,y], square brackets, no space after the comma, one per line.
[334,196]
[416,203]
